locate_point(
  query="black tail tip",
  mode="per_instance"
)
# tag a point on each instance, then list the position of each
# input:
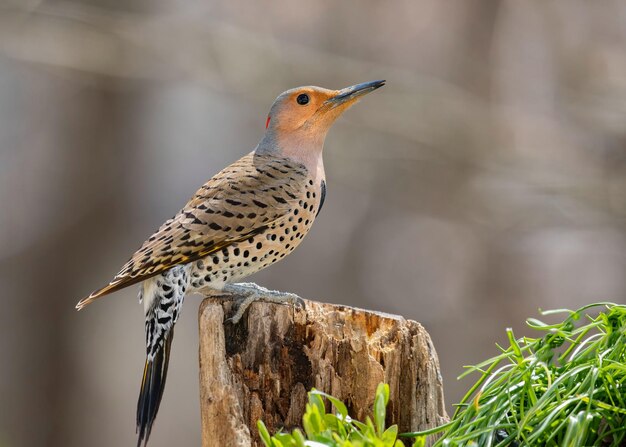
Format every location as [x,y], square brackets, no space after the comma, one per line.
[149,400]
[152,387]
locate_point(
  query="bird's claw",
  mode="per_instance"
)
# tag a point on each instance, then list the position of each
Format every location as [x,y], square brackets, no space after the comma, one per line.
[250,292]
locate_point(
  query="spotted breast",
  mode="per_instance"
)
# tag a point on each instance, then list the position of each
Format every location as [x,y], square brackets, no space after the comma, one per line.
[282,196]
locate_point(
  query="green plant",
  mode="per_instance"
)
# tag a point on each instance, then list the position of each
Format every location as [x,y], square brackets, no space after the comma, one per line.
[322,429]
[566,388]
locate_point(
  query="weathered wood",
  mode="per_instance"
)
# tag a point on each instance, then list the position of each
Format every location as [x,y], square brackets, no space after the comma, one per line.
[262,367]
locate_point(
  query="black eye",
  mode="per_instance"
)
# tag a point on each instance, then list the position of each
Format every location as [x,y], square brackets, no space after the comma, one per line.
[303,99]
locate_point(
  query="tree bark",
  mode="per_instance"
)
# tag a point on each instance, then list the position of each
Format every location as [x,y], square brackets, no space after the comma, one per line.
[262,367]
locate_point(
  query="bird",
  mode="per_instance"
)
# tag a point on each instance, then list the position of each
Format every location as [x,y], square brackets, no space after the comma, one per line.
[247,217]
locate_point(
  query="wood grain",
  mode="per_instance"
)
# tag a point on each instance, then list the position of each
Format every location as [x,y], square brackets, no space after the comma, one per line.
[262,367]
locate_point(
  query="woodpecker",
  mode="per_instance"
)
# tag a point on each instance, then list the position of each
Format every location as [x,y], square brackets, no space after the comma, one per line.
[247,217]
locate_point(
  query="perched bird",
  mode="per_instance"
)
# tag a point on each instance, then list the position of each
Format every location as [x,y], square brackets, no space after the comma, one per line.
[250,215]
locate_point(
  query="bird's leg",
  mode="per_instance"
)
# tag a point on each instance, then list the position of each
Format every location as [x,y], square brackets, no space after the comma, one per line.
[252,292]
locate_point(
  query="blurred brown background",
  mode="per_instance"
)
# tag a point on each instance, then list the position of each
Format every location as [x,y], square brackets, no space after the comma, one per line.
[486,180]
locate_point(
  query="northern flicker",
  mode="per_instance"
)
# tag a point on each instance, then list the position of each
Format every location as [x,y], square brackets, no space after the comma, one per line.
[250,215]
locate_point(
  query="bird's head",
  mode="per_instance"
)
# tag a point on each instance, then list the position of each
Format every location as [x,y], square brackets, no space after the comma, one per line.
[300,118]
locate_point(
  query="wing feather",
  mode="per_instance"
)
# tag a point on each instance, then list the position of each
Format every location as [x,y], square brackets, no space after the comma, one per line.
[242,200]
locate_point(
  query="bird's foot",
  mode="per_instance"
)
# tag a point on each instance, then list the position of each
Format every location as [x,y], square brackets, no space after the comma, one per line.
[251,292]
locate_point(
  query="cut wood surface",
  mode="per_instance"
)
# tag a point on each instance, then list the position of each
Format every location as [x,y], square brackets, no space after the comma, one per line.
[262,367]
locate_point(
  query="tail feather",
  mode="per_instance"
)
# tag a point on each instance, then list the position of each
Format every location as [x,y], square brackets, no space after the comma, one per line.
[152,386]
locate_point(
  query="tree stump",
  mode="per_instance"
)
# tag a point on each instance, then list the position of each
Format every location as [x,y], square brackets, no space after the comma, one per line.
[262,367]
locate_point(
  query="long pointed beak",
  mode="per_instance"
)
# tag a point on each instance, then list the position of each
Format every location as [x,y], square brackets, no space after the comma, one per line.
[351,93]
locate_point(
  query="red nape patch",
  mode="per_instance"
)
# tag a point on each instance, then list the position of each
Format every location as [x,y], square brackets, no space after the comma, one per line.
[267,123]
